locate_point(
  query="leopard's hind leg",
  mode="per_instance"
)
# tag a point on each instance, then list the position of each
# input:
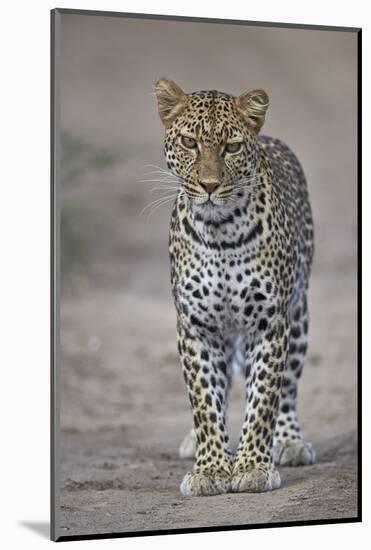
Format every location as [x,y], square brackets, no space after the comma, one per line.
[290,448]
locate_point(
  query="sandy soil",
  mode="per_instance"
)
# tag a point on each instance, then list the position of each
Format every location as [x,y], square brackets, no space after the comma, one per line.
[124,409]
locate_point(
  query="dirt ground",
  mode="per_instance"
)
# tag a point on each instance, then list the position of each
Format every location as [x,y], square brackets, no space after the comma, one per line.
[126,412]
[124,409]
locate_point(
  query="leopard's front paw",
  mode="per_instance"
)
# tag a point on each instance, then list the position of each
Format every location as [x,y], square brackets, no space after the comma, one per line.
[255,480]
[289,453]
[203,483]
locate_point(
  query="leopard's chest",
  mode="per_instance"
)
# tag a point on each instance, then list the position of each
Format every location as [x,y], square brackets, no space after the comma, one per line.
[224,292]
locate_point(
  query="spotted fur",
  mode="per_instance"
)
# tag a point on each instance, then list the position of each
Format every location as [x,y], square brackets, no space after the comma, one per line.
[241,247]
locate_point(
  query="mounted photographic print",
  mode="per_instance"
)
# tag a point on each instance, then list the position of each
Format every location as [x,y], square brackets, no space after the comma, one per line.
[204,274]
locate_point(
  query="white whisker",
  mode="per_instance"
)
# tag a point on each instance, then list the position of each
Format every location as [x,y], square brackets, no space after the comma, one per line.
[158,180]
[156,201]
[246,186]
[163,203]
[163,188]
[157,168]
[167,201]
[162,172]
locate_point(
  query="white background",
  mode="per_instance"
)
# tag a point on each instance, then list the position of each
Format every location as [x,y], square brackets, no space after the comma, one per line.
[24,200]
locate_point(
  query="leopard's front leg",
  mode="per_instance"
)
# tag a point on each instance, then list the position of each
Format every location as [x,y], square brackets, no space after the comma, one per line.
[204,365]
[253,468]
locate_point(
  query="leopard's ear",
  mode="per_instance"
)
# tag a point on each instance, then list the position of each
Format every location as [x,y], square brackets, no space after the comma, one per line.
[171,100]
[253,107]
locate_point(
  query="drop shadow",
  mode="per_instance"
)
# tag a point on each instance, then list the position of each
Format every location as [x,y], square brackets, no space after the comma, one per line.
[42,528]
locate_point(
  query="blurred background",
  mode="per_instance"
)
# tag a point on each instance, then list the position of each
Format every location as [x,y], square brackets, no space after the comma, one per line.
[124,409]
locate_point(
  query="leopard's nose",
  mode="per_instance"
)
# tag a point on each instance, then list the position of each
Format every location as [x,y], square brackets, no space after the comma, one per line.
[209,185]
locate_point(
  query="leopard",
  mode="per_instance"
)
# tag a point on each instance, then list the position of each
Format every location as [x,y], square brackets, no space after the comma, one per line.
[241,249]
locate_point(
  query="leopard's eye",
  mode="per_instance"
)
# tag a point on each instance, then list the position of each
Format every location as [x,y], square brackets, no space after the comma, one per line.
[188,142]
[233,147]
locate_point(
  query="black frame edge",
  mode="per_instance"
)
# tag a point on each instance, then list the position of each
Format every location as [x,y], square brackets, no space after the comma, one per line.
[359,269]
[54,419]
[66,538]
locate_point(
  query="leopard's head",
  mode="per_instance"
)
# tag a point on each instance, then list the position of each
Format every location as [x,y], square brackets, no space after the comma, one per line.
[211,141]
